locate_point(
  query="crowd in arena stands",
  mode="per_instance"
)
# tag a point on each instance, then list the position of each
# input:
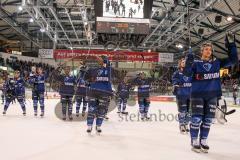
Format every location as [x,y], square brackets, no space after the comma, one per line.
[25,66]
[232,77]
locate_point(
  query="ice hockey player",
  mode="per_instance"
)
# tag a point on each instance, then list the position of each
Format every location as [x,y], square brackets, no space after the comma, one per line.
[37,81]
[3,79]
[100,94]
[144,85]
[81,94]
[206,88]
[66,91]
[123,92]
[235,92]
[15,88]
[182,87]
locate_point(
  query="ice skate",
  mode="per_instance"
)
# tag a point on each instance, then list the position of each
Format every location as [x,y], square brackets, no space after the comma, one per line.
[182,129]
[89,129]
[186,128]
[106,118]
[147,118]
[64,117]
[98,130]
[142,117]
[124,113]
[195,146]
[42,114]
[204,145]
[70,117]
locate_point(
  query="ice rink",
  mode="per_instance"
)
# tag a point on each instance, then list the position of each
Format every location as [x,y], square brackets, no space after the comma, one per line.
[31,138]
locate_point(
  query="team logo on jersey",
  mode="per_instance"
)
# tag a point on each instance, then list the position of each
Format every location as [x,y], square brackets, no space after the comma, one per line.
[207,66]
[100,72]
[185,78]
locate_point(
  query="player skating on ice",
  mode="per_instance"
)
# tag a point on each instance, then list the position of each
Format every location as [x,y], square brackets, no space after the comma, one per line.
[81,92]
[37,81]
[123,92]
[144,85]
[66,90]
[15,88]
[99,94]
[206,88]
[182,86]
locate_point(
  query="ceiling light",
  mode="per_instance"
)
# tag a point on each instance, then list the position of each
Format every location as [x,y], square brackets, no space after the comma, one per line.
[179,46]
[31,20]
[20,8]
[42,30]
[85,23]
[229,18]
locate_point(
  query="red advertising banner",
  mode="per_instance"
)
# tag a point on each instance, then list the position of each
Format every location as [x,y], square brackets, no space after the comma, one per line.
[113,55]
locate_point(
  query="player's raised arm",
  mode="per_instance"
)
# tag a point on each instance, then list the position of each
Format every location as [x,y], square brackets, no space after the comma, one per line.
[189,64]
[232,51]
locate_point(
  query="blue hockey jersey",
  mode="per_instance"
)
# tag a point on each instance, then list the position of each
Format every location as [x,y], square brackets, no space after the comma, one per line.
[123,90]
[182,85]
[15,87]
[206,74]
[102,79]
[144,86]
[38,82]
[67,84]
[81,87]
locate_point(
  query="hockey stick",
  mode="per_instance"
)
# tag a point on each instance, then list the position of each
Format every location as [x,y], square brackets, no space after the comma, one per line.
[226,113]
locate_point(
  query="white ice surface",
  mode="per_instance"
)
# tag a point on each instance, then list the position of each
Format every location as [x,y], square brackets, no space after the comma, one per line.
[30,138]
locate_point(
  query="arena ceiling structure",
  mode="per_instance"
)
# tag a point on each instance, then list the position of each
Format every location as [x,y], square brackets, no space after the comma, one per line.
[61,24]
